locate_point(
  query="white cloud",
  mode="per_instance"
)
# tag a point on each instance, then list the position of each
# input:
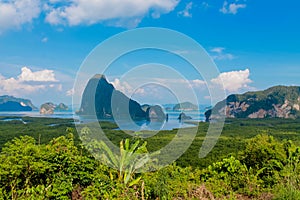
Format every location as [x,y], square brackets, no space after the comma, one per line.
[41,76]
[217,53]
[217,49]
[121,13]
[78,12]
[233,81]
[13,86]
[126,88]
[55,16]
[159,89]
[187,10]
[28,82]
[231,8]
[15,13]
[198,83]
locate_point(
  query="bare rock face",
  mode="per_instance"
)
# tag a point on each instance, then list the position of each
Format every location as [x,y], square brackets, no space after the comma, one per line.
[47,108]
[155,113]
[278,101]
[296,107]
[259,114]
[100,98]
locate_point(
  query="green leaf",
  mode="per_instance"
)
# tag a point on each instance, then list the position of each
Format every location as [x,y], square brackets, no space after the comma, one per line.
[135,181]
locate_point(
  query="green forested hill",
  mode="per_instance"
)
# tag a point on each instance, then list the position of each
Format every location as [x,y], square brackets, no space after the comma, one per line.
[277,101]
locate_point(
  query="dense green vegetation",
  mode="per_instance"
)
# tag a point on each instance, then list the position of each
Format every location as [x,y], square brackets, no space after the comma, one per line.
[257,159]
[42,129]
[263,100]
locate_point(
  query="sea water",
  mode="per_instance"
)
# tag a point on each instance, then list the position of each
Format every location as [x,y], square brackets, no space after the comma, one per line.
[171,123]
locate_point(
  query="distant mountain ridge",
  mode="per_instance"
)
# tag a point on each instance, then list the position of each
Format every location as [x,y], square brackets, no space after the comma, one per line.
[185,106]
[277,101]
[13,104]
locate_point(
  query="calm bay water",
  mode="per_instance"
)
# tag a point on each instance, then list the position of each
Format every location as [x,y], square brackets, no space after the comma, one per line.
[62,115]
[172,123]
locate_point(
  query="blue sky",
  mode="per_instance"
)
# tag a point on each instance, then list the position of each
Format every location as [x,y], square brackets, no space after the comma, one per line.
[255,44]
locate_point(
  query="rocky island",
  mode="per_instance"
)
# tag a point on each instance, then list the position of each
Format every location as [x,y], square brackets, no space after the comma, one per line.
[49,108]
[98,96]
[13,104]
[155,113]
[185,106]
[278,101]
[97,99]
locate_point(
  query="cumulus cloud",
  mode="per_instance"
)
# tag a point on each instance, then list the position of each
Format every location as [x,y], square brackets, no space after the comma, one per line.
[13,86]
[41,76]
[231,8]
[197,83]
[164,89]
[233,81]
[28,82]
[15,13]
[217,49]
[126,88]
[187,10]
[218,53]
[124,13]
[121,12]
[158,88]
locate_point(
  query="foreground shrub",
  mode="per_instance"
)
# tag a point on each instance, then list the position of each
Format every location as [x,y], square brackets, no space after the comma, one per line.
[38,171]
[266,156]
[229,177]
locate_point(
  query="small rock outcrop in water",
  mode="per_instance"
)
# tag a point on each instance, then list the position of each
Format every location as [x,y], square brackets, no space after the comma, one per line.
[97,99]
[278,101]
[183,116]
[155,113]
[12,104]
[49,108]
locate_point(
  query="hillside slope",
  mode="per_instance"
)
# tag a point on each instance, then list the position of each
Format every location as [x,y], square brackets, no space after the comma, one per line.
[278,101]
[10,103]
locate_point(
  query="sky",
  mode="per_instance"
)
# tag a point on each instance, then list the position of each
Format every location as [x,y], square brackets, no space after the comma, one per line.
[254,44]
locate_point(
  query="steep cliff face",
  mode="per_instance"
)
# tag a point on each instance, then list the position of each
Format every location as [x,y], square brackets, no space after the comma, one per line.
[49,108]
[155,113]
[97,98]
[10,103]
[278,101]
